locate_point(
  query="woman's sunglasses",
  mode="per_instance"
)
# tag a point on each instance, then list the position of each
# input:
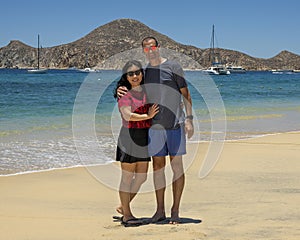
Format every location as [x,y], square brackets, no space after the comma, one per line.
[152,48]
[137,73]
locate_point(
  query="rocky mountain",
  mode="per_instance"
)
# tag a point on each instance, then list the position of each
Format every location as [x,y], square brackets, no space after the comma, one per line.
[110,45]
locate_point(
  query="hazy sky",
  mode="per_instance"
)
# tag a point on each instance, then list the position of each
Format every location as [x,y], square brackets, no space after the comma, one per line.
[259,28]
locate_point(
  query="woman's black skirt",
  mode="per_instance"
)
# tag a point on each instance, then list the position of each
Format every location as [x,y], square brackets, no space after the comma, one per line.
[133,145]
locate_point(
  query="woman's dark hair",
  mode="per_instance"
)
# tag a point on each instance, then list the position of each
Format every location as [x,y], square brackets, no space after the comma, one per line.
[123,80]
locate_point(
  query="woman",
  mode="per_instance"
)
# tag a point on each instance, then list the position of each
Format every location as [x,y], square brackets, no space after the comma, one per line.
[132,149]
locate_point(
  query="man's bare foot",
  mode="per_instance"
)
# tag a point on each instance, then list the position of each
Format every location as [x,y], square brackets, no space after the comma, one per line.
[175,219]
[119,209]
[158,217]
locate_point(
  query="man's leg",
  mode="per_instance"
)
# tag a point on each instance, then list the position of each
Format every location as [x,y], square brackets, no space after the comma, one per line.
[159,178]
[177,187]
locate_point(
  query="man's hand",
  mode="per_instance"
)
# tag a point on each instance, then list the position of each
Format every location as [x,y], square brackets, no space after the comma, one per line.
[189,128]
[121,91]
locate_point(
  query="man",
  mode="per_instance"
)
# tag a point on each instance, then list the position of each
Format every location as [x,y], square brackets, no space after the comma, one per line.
[167,135]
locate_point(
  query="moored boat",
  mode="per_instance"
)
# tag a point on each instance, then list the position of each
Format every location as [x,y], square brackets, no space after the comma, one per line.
[216,68]
[282,71]
[235,69]
[38,70]
[88,70]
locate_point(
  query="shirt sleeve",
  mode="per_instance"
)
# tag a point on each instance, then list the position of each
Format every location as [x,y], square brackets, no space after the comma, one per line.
[125,100]
[179,76]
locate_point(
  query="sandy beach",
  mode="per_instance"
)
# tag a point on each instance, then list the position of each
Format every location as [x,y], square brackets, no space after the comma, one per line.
[253,193]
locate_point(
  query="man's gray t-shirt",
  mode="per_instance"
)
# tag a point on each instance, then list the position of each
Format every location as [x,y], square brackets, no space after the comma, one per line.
[170,77]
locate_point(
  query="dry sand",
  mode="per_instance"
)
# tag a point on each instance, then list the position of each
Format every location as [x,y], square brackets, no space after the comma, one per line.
[253,193]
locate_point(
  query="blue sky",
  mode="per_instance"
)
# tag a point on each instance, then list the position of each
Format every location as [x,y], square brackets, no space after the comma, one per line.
[259,28]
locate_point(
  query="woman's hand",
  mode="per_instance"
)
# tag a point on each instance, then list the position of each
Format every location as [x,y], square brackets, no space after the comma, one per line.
[153,110]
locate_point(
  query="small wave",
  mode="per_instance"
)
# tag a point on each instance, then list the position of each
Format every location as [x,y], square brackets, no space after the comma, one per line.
[40,155]
[50,169]
[253,117]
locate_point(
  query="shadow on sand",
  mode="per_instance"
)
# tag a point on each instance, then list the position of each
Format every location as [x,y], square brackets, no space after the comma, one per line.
[182,221]
[146,221]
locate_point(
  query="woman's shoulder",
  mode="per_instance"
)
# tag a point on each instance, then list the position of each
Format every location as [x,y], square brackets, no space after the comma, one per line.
[125,98]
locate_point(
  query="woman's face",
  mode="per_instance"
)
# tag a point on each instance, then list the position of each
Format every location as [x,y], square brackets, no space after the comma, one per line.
[134,76]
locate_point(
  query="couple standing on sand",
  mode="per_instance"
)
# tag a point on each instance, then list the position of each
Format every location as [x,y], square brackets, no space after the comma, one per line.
[153,125]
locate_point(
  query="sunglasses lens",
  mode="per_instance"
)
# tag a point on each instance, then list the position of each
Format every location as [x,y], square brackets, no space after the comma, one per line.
[152,48]
[131,74]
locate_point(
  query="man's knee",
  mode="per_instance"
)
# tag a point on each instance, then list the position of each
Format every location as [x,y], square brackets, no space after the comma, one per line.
[159,163]
[177,165]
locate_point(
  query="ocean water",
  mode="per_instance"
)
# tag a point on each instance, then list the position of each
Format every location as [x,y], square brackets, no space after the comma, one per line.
[46,119]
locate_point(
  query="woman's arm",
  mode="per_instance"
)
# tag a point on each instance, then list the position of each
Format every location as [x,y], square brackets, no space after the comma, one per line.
[130,116]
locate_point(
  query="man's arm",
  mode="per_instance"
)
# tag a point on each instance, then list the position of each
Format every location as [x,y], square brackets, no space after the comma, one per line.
[121,91]
[187,100]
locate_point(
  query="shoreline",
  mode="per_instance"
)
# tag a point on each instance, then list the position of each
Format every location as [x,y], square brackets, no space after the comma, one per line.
[191,142]
[185,69]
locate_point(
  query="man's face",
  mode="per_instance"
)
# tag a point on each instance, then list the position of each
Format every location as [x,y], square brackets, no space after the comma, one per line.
[151,50]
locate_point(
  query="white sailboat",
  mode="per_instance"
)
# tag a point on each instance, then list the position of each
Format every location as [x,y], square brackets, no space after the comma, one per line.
[38,69]
[216,68]
[87,68]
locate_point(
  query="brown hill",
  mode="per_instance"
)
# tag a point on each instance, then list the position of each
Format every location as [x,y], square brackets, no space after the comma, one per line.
[284,60]
[106,42]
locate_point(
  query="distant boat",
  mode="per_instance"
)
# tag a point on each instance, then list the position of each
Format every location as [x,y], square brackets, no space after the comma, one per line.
[236,69]
[87,68]
[38,69]
[216,68]
[282,71]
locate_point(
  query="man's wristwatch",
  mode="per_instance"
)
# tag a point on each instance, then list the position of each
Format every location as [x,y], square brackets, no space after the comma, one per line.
[191,117]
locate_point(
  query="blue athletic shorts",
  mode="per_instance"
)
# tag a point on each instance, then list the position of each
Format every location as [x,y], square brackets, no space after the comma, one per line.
[164,142]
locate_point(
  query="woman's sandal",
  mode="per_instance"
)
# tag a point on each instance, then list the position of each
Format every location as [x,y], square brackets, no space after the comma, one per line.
[135,222]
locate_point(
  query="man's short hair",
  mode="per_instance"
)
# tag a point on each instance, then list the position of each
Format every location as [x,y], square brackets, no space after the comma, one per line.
[149,38]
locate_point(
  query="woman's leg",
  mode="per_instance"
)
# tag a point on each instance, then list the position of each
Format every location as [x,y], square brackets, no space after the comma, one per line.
[128,170]
[140,177]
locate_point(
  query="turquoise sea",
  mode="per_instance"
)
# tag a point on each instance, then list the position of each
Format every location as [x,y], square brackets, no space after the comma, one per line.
[39,113]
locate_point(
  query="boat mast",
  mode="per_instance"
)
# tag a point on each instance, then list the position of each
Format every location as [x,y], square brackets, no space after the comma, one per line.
[38,66]
[86,64]
[212,45]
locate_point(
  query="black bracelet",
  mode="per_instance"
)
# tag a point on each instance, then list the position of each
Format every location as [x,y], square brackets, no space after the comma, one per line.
[191,117]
